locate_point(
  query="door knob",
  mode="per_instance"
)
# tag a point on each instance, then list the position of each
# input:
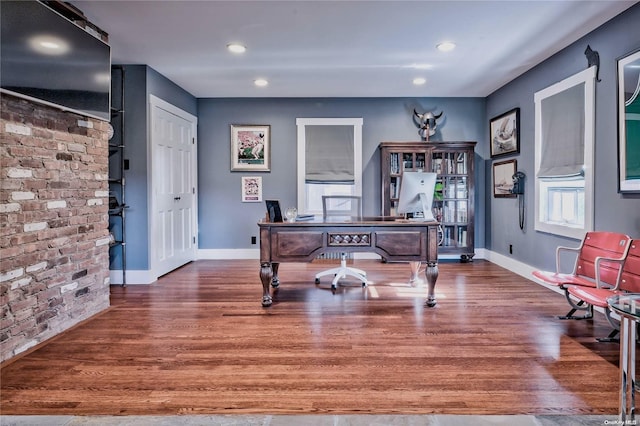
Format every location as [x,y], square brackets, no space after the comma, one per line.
[176,198]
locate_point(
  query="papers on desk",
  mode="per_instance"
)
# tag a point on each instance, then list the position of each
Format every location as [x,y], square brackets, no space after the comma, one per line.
[302,217]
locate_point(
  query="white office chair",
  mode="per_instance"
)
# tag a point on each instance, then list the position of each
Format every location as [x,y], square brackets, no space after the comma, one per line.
[349,207]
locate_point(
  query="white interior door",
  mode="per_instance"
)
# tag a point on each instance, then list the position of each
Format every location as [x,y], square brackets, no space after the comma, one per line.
[173,172]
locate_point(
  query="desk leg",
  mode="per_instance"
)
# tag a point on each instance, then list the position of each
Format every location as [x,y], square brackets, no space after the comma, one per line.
[431,272]
[275,281]
[266,276]
[627,370]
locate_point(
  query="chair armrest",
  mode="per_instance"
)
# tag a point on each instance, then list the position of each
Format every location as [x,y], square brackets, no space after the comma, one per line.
[619,260]
[560,249]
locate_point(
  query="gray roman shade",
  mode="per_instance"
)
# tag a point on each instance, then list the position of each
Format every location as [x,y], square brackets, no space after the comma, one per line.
[329,154]
[563,123]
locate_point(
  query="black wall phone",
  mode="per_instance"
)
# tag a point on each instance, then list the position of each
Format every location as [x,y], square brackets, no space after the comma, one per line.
[518,183]
[518,188]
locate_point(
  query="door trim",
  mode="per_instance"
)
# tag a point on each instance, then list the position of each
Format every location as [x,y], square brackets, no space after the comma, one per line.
[155,102]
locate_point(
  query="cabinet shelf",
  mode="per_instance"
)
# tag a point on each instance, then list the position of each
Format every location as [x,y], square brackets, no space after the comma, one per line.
[453,207]
[117,217]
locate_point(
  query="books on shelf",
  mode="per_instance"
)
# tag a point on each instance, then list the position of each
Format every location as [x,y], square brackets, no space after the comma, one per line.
[450,164]
[395,163]
[454,236]
[462,238]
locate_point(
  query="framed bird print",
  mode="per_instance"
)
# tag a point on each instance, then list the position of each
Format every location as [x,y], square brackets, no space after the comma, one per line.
[504,133]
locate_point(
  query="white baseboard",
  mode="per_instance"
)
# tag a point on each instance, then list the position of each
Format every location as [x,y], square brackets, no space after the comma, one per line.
[228,254]
[133,277]
[254,254]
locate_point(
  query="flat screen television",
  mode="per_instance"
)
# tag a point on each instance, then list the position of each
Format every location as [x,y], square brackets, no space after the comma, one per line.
[47,58]
[416,194]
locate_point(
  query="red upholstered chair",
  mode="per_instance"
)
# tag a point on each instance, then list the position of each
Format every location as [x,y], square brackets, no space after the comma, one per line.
[598,261]
[629,283]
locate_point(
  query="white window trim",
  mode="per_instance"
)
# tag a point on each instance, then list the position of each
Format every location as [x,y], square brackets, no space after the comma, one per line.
[357,146]
[588,78]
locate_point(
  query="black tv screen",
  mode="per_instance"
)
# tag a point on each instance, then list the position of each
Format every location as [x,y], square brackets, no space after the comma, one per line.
[47,58]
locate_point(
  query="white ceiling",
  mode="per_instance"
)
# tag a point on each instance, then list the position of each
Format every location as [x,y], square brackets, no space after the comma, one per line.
[343,48]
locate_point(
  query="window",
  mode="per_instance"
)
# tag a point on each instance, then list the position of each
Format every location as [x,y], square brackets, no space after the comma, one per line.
[564,150]
[564,204]
[329,160]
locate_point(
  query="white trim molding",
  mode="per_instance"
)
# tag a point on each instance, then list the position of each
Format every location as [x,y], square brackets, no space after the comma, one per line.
[134,277]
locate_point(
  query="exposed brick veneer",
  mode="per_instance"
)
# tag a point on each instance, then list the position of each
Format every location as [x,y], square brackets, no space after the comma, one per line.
[54,238]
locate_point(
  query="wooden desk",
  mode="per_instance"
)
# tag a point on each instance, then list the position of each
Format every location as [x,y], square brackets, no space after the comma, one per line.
[394,240]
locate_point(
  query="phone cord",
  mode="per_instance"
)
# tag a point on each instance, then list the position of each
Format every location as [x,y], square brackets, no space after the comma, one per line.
[521,210]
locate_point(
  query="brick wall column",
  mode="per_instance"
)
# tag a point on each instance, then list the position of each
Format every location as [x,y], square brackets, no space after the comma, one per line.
[54,238]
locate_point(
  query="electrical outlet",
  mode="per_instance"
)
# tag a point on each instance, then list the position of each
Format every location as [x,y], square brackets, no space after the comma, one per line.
[510,248]
[253,240]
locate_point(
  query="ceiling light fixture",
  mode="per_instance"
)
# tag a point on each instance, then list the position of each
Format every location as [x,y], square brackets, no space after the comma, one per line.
[419,81]
[260,82]
[236,48]
[446,46]
[421,66]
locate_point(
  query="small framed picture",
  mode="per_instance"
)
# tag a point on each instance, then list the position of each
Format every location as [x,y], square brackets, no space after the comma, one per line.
[504,133]
[250,148]
[274,213]
[503,179]
[251,189]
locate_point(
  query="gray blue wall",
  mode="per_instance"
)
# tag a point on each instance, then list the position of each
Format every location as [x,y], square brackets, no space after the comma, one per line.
[140,82]
[226,222]
[613,211]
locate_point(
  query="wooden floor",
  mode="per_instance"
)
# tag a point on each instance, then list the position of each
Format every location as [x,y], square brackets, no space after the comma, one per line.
[199,342]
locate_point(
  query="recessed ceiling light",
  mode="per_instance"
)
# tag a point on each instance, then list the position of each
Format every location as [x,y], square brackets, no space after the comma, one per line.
[418,81]
[421,66]
[446,46]
[236,48]
[260,82]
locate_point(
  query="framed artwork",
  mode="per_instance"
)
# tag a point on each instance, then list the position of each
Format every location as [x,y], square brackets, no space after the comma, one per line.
[504,133]
[251,189]
[629,122]
[273,210]
[250,148]
[503,172]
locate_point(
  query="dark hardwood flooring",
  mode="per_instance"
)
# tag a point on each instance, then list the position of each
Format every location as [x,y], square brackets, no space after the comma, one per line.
[199,342]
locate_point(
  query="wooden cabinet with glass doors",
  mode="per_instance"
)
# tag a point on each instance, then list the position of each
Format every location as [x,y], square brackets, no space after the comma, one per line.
[453,200]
